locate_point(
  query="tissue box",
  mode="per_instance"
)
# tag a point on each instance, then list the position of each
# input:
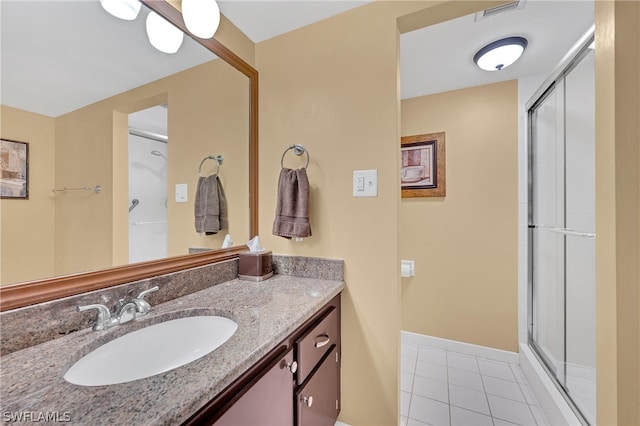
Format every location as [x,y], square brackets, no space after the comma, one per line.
[255,266]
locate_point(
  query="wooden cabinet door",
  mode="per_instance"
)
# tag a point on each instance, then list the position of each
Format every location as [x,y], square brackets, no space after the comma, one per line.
[269,401]
[318,400]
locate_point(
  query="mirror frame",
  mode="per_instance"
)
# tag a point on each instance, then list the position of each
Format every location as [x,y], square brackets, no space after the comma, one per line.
[18,295]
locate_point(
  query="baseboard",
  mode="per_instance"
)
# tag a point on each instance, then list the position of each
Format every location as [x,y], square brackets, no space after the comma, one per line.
[460,347]
[553,403]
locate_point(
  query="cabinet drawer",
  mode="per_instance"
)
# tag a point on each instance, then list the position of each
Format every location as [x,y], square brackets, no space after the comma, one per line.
[317,402]
[313,345]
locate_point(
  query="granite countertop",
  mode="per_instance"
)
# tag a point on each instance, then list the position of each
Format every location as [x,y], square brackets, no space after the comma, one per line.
[266,313]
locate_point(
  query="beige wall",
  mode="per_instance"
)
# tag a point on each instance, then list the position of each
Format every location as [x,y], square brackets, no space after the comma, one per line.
[465,244]
[618,212]
[333,87]
[208,114]
[27,231]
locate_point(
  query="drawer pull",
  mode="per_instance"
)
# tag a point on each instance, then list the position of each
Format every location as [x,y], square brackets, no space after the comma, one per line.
[293,367]
[324,342]
[307,400]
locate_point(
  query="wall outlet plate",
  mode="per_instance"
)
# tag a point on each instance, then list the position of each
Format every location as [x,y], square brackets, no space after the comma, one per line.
[365,183]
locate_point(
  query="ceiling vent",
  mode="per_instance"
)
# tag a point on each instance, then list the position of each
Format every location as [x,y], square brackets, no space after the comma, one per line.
[514,5]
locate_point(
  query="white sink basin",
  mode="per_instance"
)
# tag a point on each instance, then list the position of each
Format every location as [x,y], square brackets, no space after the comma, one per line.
[151,350]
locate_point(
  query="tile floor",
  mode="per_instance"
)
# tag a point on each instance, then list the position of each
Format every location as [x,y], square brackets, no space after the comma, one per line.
[441,387]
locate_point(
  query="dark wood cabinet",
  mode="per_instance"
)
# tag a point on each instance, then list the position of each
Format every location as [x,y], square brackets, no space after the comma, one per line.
[268,401]
[313,345]
[298,382]
[318,399]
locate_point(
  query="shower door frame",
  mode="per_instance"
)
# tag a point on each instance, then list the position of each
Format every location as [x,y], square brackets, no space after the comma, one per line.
[579,50]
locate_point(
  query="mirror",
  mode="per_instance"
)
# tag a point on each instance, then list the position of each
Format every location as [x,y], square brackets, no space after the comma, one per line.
[211,109]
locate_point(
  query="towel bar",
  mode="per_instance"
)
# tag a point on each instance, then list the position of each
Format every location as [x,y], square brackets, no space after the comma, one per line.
[298,150]
[97,189]
[218,158]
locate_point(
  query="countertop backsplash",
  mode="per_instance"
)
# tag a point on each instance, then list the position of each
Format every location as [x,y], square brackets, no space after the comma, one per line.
[36,324]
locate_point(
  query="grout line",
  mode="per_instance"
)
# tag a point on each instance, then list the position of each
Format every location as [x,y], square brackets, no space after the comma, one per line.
[486,395]
[413,383]
[446,358]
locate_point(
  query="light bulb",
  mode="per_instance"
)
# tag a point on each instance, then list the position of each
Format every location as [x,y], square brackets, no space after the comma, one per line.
[162,34]
[123,9]
[201,17]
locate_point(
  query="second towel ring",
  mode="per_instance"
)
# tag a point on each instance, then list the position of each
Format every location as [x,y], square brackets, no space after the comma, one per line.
[218,159]
[298,150]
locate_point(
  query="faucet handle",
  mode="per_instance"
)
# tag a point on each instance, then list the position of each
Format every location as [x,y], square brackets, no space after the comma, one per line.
[142,306]
[144,293]
[104,320]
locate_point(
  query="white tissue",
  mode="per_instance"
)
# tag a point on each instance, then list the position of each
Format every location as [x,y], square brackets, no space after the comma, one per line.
[254,245]
[228,242]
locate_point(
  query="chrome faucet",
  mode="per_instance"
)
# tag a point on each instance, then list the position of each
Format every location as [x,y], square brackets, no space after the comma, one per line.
[125,311]
[142,306]
[104,319]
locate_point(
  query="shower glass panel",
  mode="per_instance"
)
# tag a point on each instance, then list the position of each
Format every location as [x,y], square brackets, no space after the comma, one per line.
[562,231]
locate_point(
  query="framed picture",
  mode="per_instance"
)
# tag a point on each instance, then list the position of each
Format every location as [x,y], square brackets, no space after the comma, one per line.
[423,166]
[14,169]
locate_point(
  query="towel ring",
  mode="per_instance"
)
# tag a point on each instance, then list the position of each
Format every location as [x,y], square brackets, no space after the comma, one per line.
[218,159]
[298,150]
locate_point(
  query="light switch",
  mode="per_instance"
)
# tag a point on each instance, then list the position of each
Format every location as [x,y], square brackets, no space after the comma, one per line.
[365,183]
[181,193]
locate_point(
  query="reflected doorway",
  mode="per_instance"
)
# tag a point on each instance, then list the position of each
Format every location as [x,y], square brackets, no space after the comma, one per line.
[148,184]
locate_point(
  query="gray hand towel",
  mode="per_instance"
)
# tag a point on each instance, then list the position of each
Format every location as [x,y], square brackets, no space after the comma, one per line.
[210,206]
[292,208]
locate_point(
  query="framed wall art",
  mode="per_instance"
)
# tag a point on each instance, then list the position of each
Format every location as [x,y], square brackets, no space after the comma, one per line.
[423,171]
[14,169]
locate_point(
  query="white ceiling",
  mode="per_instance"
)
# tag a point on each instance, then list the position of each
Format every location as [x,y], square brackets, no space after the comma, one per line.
[49,55]
[439,58]
[263,19]
[64,73]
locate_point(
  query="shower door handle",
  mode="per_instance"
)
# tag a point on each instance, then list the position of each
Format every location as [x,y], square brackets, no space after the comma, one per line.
[564,231]
[134,203]
[568,231]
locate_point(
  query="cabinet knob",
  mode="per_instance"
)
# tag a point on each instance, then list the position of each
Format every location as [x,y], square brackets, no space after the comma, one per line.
[293,367]
[307,400]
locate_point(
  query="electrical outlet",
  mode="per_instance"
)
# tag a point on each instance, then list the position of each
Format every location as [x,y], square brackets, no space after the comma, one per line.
[365,183]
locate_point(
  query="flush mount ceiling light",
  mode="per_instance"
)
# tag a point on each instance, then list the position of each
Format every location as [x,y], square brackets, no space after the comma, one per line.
[123,9]
[201,17]
[162,35]
[500,54]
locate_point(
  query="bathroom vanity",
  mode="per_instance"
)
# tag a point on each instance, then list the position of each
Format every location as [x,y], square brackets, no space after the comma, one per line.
[288,338]
[298,382]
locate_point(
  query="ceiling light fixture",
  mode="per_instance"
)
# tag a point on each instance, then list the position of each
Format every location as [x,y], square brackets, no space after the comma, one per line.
[500,54]
[162,34]
[123,9]
[201,17]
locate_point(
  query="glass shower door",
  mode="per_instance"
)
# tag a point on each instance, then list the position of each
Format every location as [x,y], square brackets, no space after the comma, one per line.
[580,249]
[562,232]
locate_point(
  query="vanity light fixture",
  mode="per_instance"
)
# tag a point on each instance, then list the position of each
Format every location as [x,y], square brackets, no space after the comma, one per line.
[500,54]
[123,9]
[162,34]
[201,17]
